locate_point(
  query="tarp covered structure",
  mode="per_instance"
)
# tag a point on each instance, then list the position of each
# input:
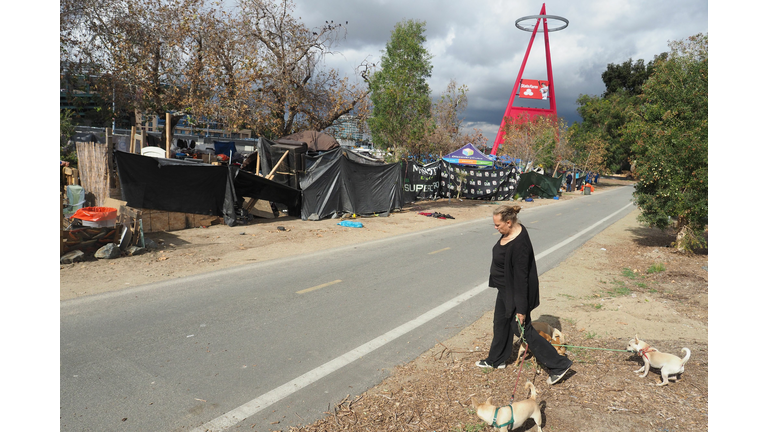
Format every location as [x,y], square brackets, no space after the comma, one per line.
[478,183]
[193,187]
[532,183]
[468,155]
[315,141]
[421,181]
[270,154]
[335,184]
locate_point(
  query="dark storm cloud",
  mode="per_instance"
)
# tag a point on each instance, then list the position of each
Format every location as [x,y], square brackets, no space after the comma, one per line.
[477,43]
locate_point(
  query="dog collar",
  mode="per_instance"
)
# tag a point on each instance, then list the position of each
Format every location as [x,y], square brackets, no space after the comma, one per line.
[511,417]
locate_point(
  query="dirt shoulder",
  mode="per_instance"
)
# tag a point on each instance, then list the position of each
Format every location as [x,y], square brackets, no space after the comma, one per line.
[624,281]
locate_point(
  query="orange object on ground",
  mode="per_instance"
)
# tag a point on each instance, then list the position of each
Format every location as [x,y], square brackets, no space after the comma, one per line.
[591,188]
[95,214]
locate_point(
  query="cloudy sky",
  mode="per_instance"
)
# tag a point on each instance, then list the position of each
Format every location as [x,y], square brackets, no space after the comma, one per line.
[477,44]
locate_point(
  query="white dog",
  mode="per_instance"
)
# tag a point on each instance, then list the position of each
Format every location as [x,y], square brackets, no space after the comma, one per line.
[667,363]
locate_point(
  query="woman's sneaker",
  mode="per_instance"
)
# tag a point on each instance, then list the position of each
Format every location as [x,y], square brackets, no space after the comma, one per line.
[554,377]
[485,364]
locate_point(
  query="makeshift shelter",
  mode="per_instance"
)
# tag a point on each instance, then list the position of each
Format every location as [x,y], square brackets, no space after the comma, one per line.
[284,161]
[186,186]
[420,181]
[477,183]
[315,141]
[532,183]
[468,155]
[335,184]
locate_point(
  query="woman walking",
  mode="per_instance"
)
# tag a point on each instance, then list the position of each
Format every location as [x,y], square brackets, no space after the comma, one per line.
[514,274]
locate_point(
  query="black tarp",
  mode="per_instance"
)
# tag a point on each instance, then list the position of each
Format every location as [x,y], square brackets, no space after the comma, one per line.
[493,184]
[532,183]
[250,185]
[421,181]
[271,152]
[334,184]
[193,187]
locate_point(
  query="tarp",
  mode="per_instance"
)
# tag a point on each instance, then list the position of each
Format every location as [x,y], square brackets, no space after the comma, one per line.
[192,187]
[491,184]
[316,141]
[227,148]
[532,183]
[271,153]
[420,181]
[468,155]
[334,184]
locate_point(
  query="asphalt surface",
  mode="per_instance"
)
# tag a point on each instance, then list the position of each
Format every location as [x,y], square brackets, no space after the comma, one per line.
[282,340]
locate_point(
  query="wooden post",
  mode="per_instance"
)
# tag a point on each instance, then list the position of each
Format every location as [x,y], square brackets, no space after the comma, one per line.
[258,163]
[143,139]
[168,135]
[132,148]
[274,168]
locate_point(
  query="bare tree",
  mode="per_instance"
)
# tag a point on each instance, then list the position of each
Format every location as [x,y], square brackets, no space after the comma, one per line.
[445,132]
[292,91]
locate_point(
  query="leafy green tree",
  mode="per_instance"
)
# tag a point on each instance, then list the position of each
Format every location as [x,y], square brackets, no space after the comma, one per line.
[400,92]
[670,131]
[628,77]
[604,117]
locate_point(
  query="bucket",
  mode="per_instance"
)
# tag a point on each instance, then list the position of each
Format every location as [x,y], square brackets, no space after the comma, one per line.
[587,191]
[96,216]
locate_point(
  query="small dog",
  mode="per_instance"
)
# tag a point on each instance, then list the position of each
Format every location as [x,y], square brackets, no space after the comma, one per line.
[515,414]
[551,334]
[668,364]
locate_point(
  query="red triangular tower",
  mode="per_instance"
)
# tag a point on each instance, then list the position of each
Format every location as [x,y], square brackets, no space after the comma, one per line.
[514,113]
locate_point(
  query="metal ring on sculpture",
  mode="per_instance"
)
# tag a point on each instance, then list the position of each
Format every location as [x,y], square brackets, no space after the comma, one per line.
[536,17]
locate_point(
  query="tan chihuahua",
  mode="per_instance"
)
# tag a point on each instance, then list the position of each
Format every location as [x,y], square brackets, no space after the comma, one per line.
[513,415]
[668,364]
[551,334]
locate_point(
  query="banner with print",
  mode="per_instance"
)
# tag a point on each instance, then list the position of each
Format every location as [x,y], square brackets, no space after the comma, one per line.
[494,184]
[421,181]
[534,89]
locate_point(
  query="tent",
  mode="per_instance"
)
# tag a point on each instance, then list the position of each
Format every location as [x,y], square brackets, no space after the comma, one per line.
[478,182]
[532,183]
[194,187]
[334,183]
[469,155]
[315,141]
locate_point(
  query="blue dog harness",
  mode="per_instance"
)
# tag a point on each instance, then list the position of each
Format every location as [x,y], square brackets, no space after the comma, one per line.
[511,417]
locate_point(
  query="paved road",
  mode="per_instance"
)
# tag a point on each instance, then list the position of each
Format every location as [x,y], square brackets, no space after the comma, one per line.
[282,341]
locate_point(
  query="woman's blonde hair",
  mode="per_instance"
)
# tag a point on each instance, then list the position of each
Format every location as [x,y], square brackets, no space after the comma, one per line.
[508,213]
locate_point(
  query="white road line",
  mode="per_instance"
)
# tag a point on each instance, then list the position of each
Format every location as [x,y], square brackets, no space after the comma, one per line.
[317,287]
[438,251]
[231,418]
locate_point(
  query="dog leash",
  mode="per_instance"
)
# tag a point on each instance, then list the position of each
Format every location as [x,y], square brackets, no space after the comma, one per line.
[592,348]
[522,359]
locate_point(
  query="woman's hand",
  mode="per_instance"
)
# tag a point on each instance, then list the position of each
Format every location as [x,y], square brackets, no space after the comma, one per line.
[521,318]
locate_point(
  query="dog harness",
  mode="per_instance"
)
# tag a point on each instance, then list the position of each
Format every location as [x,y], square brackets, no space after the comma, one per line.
[644,352]
[511,417]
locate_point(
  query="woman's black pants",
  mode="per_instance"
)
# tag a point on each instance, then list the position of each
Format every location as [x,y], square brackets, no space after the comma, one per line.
[504,331]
